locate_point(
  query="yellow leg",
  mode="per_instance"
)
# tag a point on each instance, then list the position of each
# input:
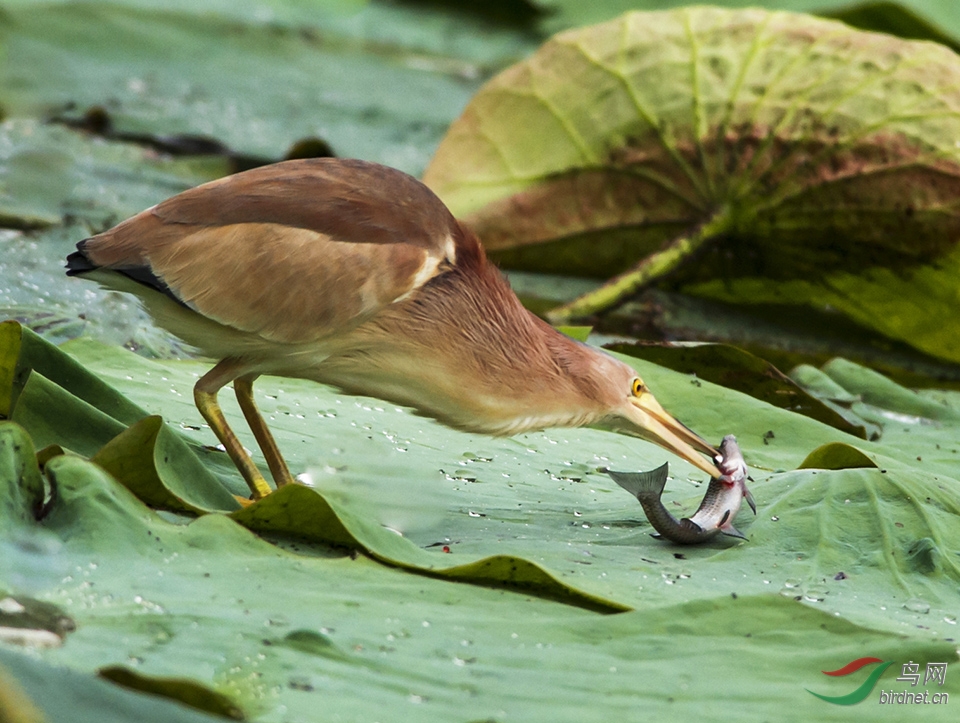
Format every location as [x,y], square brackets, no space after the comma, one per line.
[205,396]
[243,386]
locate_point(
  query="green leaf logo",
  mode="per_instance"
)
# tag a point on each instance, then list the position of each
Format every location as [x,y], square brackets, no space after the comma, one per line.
[865,688]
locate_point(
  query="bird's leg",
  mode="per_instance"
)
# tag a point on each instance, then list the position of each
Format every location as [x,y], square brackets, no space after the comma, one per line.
[205,396]
[243,386]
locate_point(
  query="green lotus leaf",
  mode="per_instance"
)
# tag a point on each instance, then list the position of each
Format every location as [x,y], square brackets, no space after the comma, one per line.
[182,690]
[76,425]
[300,512]
[580,333]
[871,522]
[49,452]
[23,488]
[374,80]
[820,383]
[159,468]
[737,369]
[37,377]
[87,501]
[50,172]
[897,18]
[917,19]
[795,150]
[267,624]
[882,392]
[28,621]
[836,455]
[22,351]
[33,691]
[404,477]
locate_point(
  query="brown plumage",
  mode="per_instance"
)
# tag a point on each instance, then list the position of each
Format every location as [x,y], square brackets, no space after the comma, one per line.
[356,275]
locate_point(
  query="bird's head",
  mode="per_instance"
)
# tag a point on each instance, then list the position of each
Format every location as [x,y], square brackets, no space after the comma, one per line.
[635,411]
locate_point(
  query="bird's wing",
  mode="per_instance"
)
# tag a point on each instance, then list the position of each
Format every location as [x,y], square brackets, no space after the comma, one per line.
[292,252]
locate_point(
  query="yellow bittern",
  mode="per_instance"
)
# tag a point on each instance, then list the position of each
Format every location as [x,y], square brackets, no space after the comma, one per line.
[356,275]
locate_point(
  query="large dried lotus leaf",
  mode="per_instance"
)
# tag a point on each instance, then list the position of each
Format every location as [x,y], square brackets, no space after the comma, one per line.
[812,143]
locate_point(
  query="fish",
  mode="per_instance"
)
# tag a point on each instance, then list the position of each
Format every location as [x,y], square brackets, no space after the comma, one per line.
[719,507]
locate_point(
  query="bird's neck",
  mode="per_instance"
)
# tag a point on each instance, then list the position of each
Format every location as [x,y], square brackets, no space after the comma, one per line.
[465,351]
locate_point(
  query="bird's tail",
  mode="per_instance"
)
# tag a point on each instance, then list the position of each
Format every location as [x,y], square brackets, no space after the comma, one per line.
[78,263]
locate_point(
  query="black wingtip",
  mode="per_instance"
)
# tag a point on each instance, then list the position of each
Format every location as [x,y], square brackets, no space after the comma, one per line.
[78,263]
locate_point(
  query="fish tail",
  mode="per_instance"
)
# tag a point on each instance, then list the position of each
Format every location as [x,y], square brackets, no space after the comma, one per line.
[642,485]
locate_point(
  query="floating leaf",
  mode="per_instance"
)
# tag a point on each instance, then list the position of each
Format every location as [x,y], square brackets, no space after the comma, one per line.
[918,19]
[374,80]
[38,692]
[301,512]
[894,18]
[836,455]
[876,389]
[159,468]
[51,172]
[818,382]
[820,385]
[580,333]
[786,336]
[22,351]
[737,369]
[18,463]
[794,148]
[76,426]
[32,623]
[35,377]
[15,705]
[267,624]
[187,692]
[865,521]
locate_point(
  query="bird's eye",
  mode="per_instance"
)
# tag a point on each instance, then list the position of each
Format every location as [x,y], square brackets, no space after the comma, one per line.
[637,387]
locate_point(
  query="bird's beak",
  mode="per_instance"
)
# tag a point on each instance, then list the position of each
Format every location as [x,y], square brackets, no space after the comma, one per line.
[652,422]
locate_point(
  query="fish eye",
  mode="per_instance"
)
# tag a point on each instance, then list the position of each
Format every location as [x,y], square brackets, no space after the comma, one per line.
[636,387]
